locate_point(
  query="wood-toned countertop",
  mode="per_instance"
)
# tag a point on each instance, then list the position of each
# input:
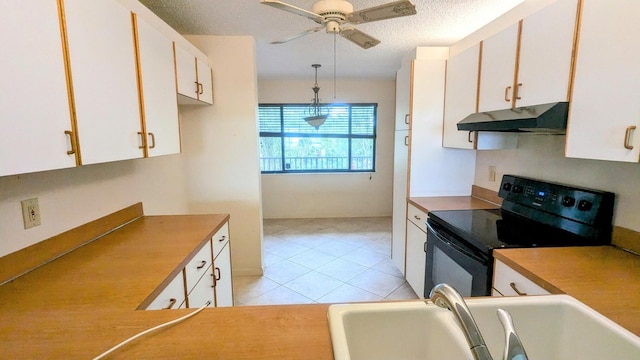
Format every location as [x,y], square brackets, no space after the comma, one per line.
[83,303]
[436,203]
[603,277]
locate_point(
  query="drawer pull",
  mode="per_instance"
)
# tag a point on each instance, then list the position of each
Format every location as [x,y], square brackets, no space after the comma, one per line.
[214,281]
[153,141]
[406,119]
[517,92]
[416,217]
[406,141]
[142,140]
[469,139]
[513,286]
[172,302]
[217,272]
[202,264]
[222,238]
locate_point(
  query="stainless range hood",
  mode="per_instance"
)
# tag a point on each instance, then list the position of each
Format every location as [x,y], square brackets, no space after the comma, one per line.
[546,118]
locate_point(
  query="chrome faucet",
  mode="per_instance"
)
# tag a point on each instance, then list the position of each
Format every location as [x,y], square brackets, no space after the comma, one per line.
[447,297]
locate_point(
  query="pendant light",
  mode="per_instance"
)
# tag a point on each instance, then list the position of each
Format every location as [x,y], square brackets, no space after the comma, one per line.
[316,113]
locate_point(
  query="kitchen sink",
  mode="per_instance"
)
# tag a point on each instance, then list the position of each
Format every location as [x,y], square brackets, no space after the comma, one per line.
[550,327]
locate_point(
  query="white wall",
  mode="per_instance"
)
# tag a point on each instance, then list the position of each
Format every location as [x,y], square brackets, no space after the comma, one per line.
[220,144]
[542,156]
[339,194]
[71,197]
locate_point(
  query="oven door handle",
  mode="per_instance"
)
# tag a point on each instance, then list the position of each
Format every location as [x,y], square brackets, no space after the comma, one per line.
[454,246]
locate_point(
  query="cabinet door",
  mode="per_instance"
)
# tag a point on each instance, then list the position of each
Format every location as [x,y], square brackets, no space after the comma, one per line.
[604,105]
[403,88]
[546,53]
[102,58]
[416,258]
[400,163]
[461,97]
[34,103]
[205,82]
[186,74]
[157,74]
[223,281]
[498,70]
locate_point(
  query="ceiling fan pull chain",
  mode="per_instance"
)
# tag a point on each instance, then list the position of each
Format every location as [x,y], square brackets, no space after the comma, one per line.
[334,65]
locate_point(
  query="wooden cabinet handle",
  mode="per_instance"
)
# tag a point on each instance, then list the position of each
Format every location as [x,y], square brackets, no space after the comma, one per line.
[517,92]
[202,264]
[73,143]
[406,119]
[406,141]
[172,302]
[153,140]
[217,272]
[141,140]
[469,139]
[513,286]
[506,94]
[627,137]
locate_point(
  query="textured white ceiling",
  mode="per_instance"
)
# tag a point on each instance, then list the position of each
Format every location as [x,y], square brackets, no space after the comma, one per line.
[438,23]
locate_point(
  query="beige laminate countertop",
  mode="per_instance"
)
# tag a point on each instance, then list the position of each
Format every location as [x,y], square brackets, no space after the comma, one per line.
[82,304]
[605,278]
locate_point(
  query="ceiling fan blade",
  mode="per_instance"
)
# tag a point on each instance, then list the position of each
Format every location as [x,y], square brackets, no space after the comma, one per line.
[292,37]
[363,40]
[293,9]
[383,12]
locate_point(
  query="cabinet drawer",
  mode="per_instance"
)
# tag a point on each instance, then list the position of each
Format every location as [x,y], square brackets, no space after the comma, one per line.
[203,291]
[506,280]
[220,239]
[172,297]
[198,266]
[417,217]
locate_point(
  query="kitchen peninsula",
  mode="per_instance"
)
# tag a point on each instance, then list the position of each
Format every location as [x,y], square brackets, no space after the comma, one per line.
[83,303]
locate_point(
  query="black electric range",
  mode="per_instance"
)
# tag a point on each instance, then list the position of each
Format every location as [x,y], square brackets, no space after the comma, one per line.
[533,213]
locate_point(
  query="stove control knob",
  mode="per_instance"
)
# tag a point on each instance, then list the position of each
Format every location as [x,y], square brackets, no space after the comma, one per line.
[584,205]
[568,201]
[517,189]
[506,186]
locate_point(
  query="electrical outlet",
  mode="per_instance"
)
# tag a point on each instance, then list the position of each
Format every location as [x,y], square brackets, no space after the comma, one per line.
[492,173]
[30,213]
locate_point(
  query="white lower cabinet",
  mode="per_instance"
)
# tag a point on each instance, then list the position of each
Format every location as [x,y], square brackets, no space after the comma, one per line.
[202,292]
[222,275]
[206,277]
[416,246]
[171,297]
[509,282]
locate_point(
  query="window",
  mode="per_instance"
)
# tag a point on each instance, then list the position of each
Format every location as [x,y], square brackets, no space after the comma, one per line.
[346,142]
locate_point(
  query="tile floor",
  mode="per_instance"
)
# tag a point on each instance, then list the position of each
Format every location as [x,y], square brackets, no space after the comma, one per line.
[324,261]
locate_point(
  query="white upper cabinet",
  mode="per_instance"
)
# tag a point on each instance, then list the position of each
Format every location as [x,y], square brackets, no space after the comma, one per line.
[403,88]
[461,97]
[158,88]
[604,115]
[34,106]
[102,61]
[194,79]
[529,63]
[545,54]
[497,71]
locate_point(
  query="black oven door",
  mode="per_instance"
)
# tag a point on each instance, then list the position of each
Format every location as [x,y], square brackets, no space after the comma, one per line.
[451,261]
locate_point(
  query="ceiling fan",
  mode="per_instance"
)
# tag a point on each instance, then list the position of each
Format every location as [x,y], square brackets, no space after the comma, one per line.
[336,16]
